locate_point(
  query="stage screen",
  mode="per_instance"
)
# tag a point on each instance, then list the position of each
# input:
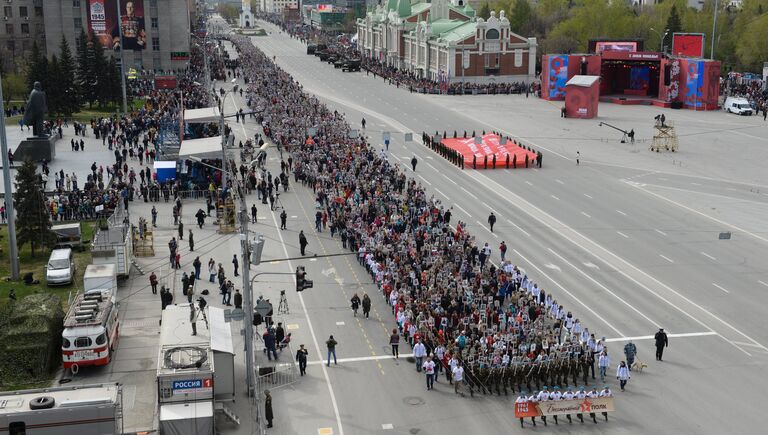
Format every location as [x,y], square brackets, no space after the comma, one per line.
[640,77]
[615,46]
[688,44]
[558,75]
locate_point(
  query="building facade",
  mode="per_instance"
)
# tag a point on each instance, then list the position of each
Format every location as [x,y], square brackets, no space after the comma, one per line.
[156,33]
[277,6]
[23,26]
[445,39]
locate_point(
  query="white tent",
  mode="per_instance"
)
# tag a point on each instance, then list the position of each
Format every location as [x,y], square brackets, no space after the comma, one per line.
[206,114]
[205,148]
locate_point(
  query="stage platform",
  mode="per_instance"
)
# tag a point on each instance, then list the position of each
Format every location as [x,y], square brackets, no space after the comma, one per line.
[475,154]
[629,100]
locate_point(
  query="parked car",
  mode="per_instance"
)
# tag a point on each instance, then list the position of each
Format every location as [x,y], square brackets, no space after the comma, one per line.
[351,65]
[311,48]
[738,105]
[61,267]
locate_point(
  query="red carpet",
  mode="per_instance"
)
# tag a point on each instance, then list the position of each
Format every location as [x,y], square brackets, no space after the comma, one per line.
[490,147]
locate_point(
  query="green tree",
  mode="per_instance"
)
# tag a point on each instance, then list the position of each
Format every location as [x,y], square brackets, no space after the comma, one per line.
[485,10]
[38,68]
[66,80]
[95,73]
[54,93]
[520,15]
[673,25]
[113,84]
[229,12]
[753,50]
[32,216]
[14,87]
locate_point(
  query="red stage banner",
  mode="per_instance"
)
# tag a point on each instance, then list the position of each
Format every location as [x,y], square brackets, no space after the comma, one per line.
[688,44]
[578,406]
[490,146]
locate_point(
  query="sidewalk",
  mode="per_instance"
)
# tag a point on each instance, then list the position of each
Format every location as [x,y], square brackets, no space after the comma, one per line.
[72,162]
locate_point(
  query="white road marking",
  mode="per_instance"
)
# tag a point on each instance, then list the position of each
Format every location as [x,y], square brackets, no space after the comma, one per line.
[466,191]
[589,277]
[553,196]
[425,180]
[339,323]
[529,183]
[449,179]
[696,184]
[621,212]
[334,404]
[622,234]
[568,293]
[361,358]
[591,265]
[706,216]
[441,193]
[588,196]
[708,256]
[313,259]
[740,343]
[292,326]
[428,164]
[553,267]
[651,337]
[660,232]
[462,209]
[328,272]
[762,283]
[720,287]
[666,258]
[521,230]
[559,181]
[586,215]
[387,426]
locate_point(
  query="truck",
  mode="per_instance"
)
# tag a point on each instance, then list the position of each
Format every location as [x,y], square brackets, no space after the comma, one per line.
[68,236]
[78,410]
[100,277]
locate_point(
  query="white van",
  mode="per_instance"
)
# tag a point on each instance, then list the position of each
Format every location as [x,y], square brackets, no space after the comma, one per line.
[61,267]
[738,105]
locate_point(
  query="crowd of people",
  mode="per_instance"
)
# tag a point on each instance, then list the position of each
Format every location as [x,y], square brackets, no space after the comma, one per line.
[753,91]
[488,322]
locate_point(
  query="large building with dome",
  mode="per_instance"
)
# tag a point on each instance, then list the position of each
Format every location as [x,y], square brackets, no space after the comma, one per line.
[445,39]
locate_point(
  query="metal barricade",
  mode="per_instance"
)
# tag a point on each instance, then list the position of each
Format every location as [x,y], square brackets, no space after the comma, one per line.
[271,375]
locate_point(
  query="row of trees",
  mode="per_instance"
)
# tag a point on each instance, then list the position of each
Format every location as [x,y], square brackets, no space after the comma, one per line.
[563,26]
[72,81]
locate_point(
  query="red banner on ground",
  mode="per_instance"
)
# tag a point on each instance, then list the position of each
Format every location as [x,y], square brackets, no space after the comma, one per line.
[580,406]
[491,146]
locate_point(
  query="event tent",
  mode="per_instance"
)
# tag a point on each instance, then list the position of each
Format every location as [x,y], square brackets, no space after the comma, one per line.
[204,148]
[206,114]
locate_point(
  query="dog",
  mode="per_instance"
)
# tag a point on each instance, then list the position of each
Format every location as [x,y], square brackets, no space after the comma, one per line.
[638,366]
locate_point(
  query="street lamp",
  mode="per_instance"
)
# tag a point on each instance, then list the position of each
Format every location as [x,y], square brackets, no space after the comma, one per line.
[13,247]
[247,289]
[661,38]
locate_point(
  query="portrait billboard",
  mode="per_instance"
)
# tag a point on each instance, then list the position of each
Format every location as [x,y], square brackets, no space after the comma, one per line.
[104,25]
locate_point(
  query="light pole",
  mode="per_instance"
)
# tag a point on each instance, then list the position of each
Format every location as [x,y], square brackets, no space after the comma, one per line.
[122,58]
[714,29]
[247,290]
[661,38]
[225,163]
[13,248]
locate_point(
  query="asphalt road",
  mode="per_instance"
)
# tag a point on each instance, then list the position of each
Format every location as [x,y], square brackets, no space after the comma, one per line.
[628,241]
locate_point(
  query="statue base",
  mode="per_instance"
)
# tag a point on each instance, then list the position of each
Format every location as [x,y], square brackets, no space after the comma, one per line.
[36,149]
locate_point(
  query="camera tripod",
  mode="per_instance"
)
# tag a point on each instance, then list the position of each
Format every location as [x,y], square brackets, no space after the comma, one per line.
[283,307]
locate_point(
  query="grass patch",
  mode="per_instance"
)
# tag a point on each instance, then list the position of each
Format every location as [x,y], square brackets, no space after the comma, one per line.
[37,265]
[86,114]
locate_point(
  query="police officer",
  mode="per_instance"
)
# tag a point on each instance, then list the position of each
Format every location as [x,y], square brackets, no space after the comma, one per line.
[661,343]
[630,350]
[491,220]
[413,163]
[283,219]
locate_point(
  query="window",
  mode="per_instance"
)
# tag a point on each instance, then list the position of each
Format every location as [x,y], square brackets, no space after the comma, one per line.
[75,3]
[39,28]
[25,28]
[154,23]
[83,342]
[156,44]
[38,11]
[101,339]
[78,23]
[23,11]
[9,29]
[65,343]
[491,34]
[8,11]
[152,3]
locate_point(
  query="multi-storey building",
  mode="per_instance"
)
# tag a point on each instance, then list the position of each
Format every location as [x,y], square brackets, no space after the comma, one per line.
[156,33]
[22,26]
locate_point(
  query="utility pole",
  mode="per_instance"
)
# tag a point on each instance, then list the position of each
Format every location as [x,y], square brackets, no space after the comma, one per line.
[247,292]
[14,248]
[714,29]
[122,57]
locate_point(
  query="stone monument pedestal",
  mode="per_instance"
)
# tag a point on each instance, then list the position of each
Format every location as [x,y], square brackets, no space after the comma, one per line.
[36,149]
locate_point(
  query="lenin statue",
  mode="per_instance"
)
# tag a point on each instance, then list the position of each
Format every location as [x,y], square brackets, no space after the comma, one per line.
[36,110]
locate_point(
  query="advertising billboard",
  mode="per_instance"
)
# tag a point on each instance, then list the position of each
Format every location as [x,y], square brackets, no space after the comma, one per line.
[688,44]
[615,46]
[103,24]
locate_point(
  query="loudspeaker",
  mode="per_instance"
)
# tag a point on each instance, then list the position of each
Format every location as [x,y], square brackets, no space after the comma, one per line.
[667,75]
